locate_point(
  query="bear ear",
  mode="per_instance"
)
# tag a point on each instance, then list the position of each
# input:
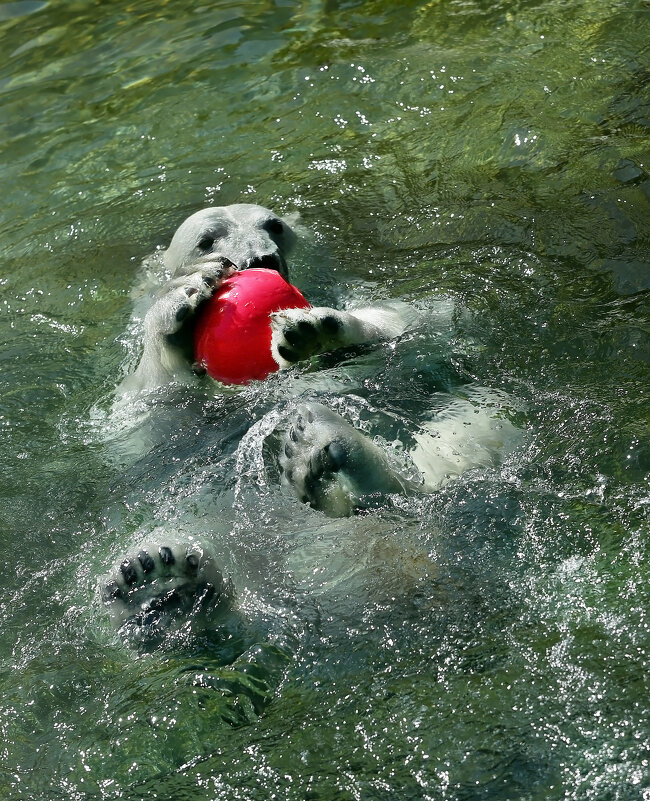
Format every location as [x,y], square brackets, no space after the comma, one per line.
[292,219]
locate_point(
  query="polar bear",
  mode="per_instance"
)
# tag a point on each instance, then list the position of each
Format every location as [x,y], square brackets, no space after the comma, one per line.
[324,460]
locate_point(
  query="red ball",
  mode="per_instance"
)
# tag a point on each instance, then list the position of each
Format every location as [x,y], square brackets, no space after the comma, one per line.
[232,336]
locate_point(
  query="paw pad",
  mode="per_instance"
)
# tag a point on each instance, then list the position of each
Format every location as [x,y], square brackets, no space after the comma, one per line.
[147,590]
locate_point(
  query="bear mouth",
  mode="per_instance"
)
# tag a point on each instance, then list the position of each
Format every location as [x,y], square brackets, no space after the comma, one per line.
[271,261]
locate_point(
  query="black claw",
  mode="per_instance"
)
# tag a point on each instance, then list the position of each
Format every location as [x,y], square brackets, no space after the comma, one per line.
[288,354]
[330,324]
[293,336]
[310,415]
[190,290]
[112,591]
[288,450]
[307,330]
[182,313]
[193,562]
[146,561]
[166,555]
[129,572]
[316,464]
[300,423]
[210,281]
[337,455]
[292,434]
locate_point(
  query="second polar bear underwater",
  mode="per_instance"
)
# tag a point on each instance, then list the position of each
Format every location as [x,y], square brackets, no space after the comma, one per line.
[328,464]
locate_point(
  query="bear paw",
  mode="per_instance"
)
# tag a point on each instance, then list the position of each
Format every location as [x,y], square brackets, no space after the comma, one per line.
[299,334]
[147,591]
[181,297]
[332,466]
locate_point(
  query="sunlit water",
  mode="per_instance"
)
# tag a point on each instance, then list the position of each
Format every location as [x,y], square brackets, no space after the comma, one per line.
[488,641]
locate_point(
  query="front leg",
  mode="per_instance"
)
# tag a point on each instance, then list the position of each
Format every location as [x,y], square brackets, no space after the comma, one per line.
[299,334]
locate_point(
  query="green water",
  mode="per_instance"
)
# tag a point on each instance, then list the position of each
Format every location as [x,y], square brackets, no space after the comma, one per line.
[491,641]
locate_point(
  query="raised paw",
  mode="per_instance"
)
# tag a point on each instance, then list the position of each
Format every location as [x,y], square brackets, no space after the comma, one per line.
[299,334]
[180,298]
[332,466]
[151,588]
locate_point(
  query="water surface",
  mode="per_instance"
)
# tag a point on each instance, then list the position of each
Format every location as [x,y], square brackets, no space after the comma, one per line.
[490,641]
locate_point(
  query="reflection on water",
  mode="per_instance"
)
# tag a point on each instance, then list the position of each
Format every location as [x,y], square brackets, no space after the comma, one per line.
[489,640]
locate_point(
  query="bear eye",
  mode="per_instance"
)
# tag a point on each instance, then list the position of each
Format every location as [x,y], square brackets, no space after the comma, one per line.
[274,226]
[205,243]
